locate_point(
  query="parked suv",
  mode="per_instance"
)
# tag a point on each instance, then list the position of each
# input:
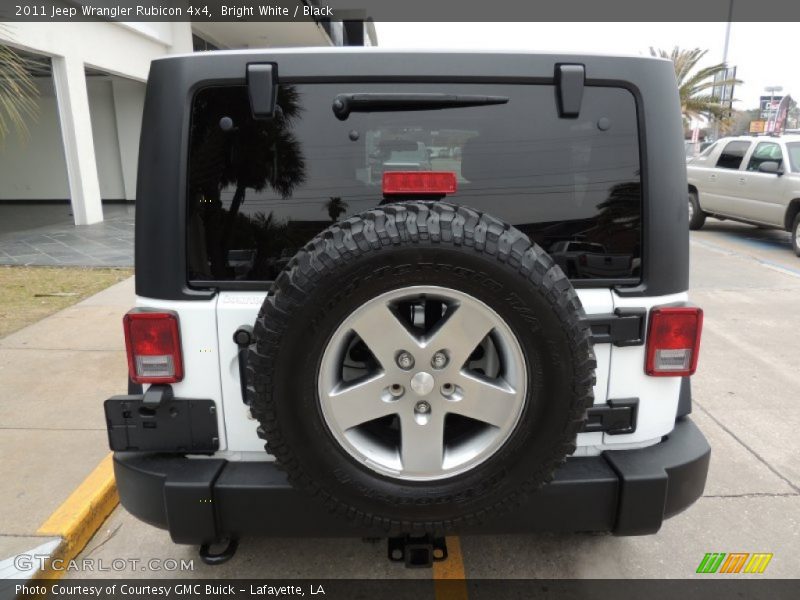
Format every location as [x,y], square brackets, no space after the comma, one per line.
[591,260]
[412,358]
[749,179]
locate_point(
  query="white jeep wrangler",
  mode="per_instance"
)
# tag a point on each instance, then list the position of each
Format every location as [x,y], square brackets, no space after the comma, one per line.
[399,337]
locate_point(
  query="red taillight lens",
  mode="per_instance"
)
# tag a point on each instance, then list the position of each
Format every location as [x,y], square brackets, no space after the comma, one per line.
[673,341]
[153,342]
[419,182]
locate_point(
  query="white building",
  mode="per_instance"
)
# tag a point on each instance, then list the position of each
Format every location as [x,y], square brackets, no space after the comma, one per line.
[83,147]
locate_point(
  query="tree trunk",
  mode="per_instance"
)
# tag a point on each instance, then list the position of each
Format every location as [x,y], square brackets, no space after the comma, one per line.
[230,221]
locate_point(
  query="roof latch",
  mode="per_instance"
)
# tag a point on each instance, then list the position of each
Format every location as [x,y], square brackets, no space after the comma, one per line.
[262,87]
[569,89]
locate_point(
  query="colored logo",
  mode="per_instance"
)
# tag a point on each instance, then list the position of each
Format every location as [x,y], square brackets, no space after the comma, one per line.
[735,562]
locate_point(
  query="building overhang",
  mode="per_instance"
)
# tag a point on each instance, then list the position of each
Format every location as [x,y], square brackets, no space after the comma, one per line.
[263,34]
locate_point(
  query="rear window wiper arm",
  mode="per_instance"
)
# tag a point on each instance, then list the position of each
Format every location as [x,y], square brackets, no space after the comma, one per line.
[344,104]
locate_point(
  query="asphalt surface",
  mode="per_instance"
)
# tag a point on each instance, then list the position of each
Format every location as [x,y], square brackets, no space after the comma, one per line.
[745,400]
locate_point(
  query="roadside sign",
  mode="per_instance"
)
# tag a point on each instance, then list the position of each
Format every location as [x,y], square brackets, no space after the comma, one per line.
[778,123]
[723,86]
[758,126]
[769,105]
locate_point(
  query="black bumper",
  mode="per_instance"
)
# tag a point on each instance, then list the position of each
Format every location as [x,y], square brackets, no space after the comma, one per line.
[628,492]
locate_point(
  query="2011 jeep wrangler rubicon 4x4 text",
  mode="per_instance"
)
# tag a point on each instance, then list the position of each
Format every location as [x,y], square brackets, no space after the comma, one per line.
[448,291]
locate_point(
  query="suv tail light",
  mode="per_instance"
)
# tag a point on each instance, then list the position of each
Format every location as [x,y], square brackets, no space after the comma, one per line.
[673,341]
[153,343]
[419,182]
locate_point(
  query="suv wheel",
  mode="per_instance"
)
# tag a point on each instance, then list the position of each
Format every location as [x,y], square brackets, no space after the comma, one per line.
[697,218]
[796,234]
[420,366]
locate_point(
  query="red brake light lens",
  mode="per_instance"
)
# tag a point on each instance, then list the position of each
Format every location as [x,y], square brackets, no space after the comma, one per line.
[153,343]
[673,341]
[419,182]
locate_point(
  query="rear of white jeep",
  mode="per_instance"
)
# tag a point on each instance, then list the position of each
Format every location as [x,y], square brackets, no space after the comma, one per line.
[423,348]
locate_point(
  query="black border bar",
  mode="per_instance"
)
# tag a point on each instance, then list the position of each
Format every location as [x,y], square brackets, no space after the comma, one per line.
[419,589]
[406,10]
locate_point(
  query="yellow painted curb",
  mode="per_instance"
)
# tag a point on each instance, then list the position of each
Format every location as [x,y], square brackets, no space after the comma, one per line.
[81,515]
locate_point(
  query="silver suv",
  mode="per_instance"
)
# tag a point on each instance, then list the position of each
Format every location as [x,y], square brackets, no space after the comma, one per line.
[750,179]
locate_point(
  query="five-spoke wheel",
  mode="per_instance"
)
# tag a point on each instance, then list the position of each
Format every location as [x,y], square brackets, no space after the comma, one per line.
[422,383]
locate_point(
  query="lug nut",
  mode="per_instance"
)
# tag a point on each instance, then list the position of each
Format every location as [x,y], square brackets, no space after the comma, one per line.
[439,360]
[422,408]
[396,390]
[405,361]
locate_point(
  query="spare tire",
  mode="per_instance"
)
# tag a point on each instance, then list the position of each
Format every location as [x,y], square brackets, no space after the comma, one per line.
[420,366]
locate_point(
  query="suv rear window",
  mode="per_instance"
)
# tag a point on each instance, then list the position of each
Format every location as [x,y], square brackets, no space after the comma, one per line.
[258,190]
[732,155]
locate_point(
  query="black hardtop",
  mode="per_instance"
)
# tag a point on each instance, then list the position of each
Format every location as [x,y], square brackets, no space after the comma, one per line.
[162,179]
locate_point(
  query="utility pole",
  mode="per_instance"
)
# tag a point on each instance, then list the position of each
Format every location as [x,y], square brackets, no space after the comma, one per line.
[725,57]
[727,33]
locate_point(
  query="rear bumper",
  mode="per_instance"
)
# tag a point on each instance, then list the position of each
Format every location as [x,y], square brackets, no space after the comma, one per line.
[628,492]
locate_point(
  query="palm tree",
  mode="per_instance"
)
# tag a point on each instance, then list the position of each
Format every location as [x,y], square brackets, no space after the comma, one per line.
[696,86]
[18,91]
[336,207]
[244,154]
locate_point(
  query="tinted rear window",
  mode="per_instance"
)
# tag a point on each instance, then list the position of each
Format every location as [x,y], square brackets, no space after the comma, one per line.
[732,155]
[258,190]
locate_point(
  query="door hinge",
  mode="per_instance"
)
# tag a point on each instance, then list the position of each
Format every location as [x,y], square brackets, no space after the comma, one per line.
[615,417]
[623,327]
[262,88]
[570,80]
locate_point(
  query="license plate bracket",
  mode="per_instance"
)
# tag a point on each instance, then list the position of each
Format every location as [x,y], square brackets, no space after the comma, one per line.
[176,425]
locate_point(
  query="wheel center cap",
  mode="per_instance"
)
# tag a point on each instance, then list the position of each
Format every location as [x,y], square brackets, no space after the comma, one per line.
[422,383]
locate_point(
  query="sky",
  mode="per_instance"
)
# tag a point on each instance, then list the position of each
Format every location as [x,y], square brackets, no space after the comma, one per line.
[764,53]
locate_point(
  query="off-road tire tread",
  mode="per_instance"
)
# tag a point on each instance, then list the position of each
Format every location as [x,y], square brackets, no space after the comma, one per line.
[410,223]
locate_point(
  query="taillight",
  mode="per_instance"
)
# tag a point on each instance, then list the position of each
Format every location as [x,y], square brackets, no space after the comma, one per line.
[419,182]
[673,341]
[153,342]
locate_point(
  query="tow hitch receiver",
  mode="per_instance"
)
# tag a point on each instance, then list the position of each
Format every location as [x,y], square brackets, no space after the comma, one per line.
[417,551]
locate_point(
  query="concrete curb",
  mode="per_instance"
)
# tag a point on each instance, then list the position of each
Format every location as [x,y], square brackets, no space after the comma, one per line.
[79,517]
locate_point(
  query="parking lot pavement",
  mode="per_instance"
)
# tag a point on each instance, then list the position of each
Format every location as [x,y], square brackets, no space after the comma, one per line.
[748,282]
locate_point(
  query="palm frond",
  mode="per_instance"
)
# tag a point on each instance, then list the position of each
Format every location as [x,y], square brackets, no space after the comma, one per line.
[695,83]
[18,93]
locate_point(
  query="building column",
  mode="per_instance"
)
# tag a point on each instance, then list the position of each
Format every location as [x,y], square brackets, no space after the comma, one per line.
[128,110]
[76,132]
[181,38]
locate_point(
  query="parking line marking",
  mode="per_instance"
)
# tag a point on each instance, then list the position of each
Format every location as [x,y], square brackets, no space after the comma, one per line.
[449,575]
[780,268]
